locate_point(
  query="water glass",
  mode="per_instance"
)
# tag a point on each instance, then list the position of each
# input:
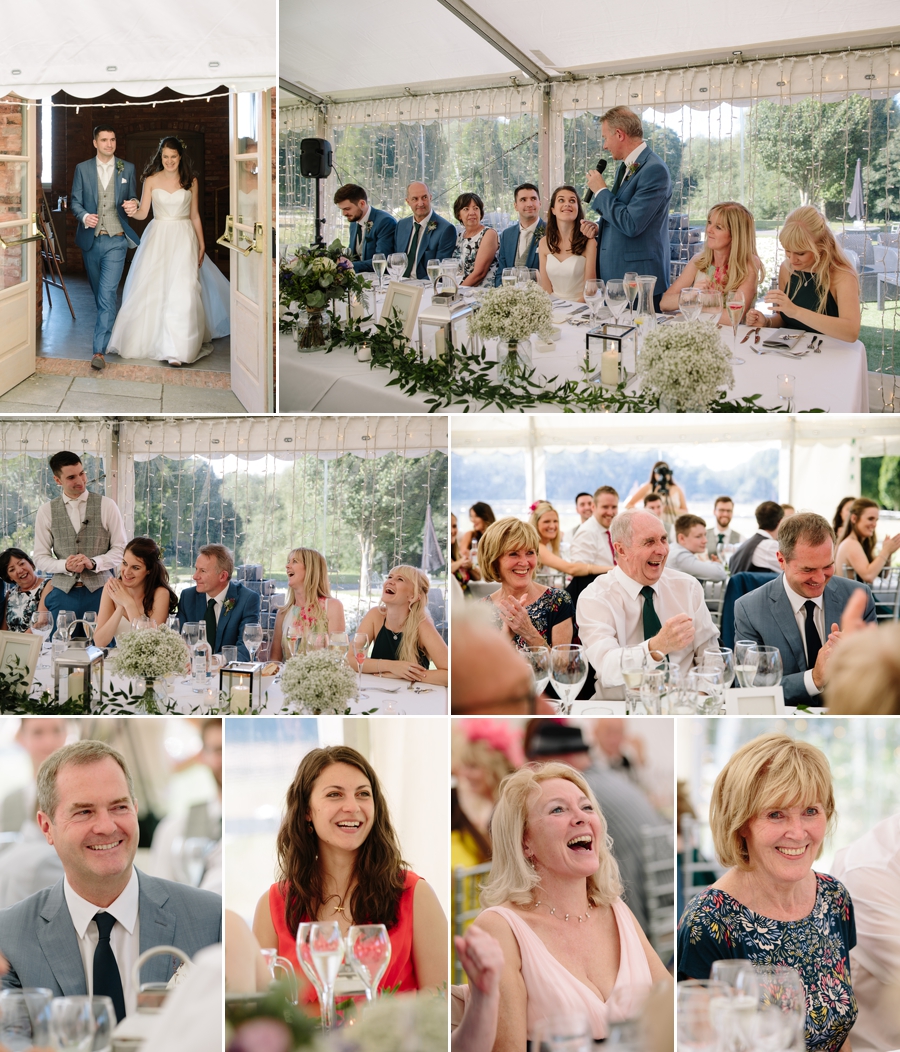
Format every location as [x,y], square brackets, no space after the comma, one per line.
[564,1032]
[743,668]
[25,1018]
[689,304]
[397,264]
[326,947]
[42,625]
[568,671]
[104,1013]
[253,637]
[711,303]
[653,684]
[769,667]
[173,623]
[72,1024]
[701,1004]
[64,621]
[229,654]
[707,684]
[369,951]
[721,658]
[539,659]
[509,276]
[339,644]
[523,276]
[190,633]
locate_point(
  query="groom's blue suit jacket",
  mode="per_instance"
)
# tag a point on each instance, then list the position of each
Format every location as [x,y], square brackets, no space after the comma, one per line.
[40,942]
[85,194]
[230,630]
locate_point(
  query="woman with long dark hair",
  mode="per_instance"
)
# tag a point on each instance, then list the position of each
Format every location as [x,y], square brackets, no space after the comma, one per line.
[568,258]
[841,515]
[855,554]
[142,589]
[339,860]
[481,515]
[662,482]
[175,300]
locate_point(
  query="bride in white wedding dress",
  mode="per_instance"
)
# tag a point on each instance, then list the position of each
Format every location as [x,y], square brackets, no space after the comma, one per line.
[175,300]
[568,258]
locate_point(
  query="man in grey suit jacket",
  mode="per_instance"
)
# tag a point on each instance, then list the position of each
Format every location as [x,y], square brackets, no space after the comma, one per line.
[800,612]
[83,935]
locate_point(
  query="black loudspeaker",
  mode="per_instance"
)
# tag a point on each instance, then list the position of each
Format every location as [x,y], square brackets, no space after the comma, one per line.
[316,156]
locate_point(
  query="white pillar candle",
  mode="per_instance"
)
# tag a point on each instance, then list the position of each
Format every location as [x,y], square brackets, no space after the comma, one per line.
[240,697]
[364,353]
[609,368]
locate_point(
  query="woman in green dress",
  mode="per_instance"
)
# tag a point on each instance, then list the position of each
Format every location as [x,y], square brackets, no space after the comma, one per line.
[818,287]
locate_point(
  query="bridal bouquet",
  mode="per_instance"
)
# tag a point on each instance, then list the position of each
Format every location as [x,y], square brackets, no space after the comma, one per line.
[315,276]
[150,653]
[319,682]
[685,364]
[513,314]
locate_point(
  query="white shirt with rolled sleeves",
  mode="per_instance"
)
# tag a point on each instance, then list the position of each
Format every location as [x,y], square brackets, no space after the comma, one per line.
[592,544]
[704,570]
[610,617]
[110,518]
[869,868]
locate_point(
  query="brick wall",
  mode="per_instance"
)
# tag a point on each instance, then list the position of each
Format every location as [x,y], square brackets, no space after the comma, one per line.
[12,204]
[203,125]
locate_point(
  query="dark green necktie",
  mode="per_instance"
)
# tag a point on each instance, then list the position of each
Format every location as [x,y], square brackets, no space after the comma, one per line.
[211,623]
[620,175]
[411,262]
[107,978]
[651,621]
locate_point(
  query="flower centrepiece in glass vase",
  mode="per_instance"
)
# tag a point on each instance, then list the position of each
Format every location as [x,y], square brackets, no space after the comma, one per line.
[513,314]
[686,366]
[150,654]
[319,682]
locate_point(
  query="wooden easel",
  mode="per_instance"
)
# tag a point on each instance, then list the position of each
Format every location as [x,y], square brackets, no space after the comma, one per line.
[50,254]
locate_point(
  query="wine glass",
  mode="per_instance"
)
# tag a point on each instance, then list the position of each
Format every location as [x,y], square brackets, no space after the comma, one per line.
[42,625]
[304,956]
[326,947]
[379,265]
[523,277]
[508,277]
[721,658]
[190,633]
[593,297]
[64,621]
[316,641]
[700,1004]
[173,623]
[769,667]
[631,289]
[253,637]
[369,950]
[72,1024]
[568,671]
[780,1006]
[539,659]
[434,272]
[689,304]
[140,624]
[708,683]
[339,644]
[25,1018]
[397,264]
[711,303]
[632,662]
[360,649]
[616,298]
[90,619]
[734,303]
[744,670]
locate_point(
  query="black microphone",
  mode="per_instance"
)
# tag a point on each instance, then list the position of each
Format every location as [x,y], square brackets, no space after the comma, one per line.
[601,168]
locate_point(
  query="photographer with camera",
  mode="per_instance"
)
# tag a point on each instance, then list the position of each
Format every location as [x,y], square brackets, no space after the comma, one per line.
[662,483]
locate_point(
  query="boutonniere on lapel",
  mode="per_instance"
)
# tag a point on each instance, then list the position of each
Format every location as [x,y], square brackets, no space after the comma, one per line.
[432,226]
[631,169]
[120,167]
[227,606]
[369,226]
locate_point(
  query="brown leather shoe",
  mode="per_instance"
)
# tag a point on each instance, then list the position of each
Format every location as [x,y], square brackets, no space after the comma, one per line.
[98,362]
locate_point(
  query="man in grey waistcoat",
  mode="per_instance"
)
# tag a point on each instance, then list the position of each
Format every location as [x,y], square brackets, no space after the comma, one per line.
[104,197]
[79,538]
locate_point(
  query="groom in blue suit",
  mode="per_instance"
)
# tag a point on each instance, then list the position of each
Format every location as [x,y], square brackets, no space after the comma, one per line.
[83,934]
[800,611]
[519,242]
[424,235]
[633,230]
[225,606]
[371,229]
[104,197]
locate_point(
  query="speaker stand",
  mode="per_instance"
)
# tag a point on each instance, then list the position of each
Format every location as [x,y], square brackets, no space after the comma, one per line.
[318,240]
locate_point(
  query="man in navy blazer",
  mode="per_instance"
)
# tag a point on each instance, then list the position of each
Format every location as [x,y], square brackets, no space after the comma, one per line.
[424,235]
[634,213]
[800,611]
[371,230]
[100,182]
[525,234]
[225,605]
[104,913]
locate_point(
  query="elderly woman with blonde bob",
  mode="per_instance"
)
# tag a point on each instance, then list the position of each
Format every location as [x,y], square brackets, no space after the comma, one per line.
[528,613]
[309,606]
[818,287]
[553,898]
[545,519]
[772,807]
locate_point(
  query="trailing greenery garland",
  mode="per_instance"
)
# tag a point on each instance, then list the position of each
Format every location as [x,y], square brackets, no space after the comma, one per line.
[468,379]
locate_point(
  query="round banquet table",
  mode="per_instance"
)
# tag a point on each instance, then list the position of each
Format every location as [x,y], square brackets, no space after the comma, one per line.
[834,380]
[428,700]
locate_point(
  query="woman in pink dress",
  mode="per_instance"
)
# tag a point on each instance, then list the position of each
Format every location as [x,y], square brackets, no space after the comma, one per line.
[339,860]
[570,944]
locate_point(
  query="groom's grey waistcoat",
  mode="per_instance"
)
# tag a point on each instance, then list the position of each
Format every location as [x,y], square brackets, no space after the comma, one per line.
[92,539]
[106,209]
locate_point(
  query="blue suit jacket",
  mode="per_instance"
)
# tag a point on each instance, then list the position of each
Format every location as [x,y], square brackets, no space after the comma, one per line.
[85,194]
[230,632]
[379,239]
[634,224]
[39,940]
[509,244]
[436,244]
[765,615]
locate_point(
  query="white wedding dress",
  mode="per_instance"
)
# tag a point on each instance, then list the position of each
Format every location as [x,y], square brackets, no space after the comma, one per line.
[567,276]
[171,308]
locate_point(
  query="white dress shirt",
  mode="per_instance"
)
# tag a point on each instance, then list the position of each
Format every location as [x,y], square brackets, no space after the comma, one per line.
[592,544]
[110,519]
[870,870]
[632,158]
[610,617]
[526,233]
[765,554]
[125,937]
[703,569]
[797,605]
[361,229]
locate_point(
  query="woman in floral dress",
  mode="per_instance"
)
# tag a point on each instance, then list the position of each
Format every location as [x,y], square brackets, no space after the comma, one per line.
[477,245]
[531,615]
[25,592]
[771,809]
[309,606]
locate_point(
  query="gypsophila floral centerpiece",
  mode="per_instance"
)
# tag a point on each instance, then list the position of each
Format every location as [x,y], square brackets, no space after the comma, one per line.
[513,314]
[319,682]
[308,282]
[685,365]
[402,1021]
[150,654]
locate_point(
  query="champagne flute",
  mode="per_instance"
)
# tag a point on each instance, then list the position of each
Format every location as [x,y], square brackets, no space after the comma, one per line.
[369,950]
[72,1024]
[568,671]
[616,298]
[253,637]
[360,649]
[326,947]
[397,264]
[769,666]
[292,638]
[742,667]
[631,289]
[689,304]
[304,956]
[539,659]
[434,272]
[734,302]
[632,662]
[379,265]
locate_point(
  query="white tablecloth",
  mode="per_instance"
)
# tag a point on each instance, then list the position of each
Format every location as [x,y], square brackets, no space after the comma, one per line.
[835,380]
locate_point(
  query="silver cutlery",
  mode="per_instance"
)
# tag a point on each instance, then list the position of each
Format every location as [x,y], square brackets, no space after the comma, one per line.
[384,690]
[818,348]
[812,342]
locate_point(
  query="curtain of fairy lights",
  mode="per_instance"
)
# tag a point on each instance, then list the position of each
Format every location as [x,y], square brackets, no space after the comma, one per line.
[296,195]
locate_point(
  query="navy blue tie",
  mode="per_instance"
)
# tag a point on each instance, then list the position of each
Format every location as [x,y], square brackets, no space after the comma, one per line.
[107,980]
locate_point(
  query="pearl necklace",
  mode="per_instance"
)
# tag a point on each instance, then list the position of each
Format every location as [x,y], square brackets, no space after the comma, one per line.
[579,918]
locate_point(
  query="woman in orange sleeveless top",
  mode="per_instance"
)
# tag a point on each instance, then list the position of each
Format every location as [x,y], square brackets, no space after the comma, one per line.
[339,860]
